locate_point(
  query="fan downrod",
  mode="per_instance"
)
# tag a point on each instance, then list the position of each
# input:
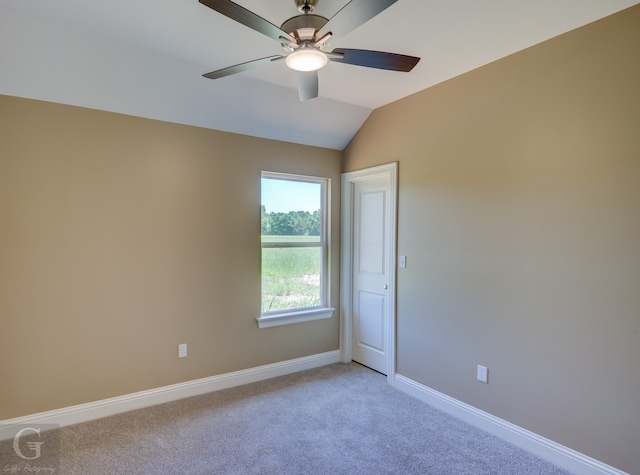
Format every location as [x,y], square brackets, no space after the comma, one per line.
[305,6]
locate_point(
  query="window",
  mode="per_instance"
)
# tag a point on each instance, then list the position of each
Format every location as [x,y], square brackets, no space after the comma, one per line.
[294,229]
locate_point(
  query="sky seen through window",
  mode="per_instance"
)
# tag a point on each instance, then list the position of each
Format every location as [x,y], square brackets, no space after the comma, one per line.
[282,196]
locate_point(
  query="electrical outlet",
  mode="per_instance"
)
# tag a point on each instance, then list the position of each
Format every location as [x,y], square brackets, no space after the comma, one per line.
[483,374]
[182,350]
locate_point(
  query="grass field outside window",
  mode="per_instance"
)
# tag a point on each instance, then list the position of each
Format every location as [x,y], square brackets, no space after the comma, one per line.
[291,275]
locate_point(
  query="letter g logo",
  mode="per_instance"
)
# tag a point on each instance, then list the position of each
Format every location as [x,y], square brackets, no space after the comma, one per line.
[34,446]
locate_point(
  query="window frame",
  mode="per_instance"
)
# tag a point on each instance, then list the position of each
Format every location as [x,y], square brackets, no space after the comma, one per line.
[316,312]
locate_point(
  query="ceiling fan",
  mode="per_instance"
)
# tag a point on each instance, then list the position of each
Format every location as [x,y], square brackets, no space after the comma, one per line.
[304,38]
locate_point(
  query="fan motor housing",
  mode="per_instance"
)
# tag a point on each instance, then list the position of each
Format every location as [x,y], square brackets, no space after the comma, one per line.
[304,24]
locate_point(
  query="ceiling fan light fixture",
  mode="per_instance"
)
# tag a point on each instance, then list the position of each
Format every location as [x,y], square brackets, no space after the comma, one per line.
[306,59]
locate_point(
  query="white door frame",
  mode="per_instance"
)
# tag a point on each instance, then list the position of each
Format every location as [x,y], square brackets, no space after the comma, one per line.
[346,271]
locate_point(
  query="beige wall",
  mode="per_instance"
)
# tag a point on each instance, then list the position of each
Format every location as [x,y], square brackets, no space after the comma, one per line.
[519,213]
[122,237]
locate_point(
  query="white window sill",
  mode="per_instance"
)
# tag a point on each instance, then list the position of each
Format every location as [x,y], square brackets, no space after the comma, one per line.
[277,319]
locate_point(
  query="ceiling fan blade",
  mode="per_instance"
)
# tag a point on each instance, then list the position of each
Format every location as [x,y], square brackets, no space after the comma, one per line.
[375,59]
[352,15]
[247,18]
[238,68]
[307,85]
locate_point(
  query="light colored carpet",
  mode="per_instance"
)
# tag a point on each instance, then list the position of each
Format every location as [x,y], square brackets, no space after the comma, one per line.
[338,419]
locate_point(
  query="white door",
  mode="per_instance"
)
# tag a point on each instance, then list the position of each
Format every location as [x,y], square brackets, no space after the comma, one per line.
[370,234]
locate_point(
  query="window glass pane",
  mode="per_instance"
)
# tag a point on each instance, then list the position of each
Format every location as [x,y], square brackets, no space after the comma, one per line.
[290,278]
[290,208]
[292,229]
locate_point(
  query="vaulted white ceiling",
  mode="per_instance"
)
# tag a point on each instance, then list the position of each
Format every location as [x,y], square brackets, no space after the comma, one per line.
[146,58]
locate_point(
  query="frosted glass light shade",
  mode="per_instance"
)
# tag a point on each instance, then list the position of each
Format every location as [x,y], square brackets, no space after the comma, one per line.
[306,59]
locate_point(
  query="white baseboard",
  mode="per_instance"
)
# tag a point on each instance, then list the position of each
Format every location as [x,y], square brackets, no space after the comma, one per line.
[108,407]
[546,449]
